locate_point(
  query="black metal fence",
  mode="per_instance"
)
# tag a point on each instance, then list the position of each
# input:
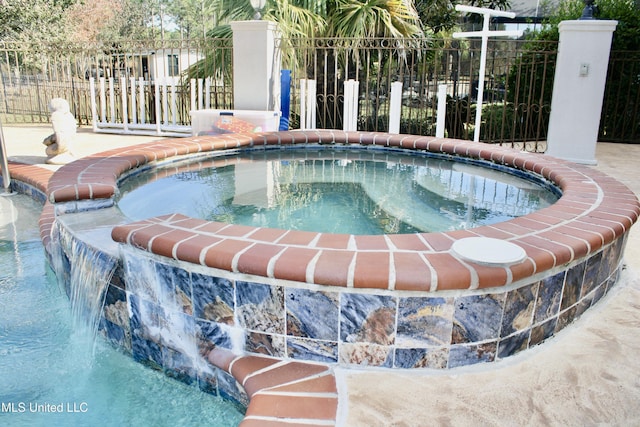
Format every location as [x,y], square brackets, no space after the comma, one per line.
[515,112]
[31,74]
[516,99]
[620,120]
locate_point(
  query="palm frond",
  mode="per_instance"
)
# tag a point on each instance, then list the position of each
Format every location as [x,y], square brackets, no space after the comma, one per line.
[375,18]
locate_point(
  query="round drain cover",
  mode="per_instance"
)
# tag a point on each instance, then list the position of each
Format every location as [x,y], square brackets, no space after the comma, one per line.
[485,250]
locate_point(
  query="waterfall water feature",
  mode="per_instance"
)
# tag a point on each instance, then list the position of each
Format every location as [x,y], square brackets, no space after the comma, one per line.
[48,357]
[159,304]
[84,274]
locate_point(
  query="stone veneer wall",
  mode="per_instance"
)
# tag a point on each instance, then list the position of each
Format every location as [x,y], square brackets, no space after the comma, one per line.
[340,325]
[169,315]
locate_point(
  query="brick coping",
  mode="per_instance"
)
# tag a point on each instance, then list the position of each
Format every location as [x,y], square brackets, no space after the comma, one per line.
[593,211]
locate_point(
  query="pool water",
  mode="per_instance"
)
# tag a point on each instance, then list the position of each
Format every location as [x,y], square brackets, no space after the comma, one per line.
[50,363]
[335,191]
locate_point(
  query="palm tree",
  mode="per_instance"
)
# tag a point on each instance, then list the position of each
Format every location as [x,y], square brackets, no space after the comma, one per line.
[311,19]
[307,22]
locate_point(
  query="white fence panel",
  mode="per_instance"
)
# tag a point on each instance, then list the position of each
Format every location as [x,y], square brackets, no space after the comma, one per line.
[128,115]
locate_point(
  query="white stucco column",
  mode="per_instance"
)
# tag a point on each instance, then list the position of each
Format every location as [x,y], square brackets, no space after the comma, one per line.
[578,89]
[256,66]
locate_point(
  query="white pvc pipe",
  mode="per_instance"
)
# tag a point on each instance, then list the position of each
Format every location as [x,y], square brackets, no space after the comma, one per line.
[123,96]
[200,91]
[103,101]
[395,107]
[193,94]
[134,108]
[94,109]
[165,104]
[481,73]
[303,104]
[311,104]
[346,111]
[174,104]
[485,33]
[157,103]
[207,93]
[442,111]
[112,101]
[307,104]
[141,101]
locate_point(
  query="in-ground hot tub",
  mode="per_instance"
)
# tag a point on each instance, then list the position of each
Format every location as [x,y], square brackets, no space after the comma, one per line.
[186,285]
[335,189]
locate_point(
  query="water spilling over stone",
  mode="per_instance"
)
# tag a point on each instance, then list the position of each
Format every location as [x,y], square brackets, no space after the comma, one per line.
[84,274]
[163,327]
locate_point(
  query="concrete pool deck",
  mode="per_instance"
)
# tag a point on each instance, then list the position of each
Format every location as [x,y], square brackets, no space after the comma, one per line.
[588,374]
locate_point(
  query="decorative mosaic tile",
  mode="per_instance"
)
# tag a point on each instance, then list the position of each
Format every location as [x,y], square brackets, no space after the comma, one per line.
[366,354]
[312,314]
[268,344]
[433,358]
[260,307]
[572,285]
[518,310]
[424,321]
[470,354]
[367,318]
[213,298]
[316,350]
[514,344]
[549,297]
[477,318]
